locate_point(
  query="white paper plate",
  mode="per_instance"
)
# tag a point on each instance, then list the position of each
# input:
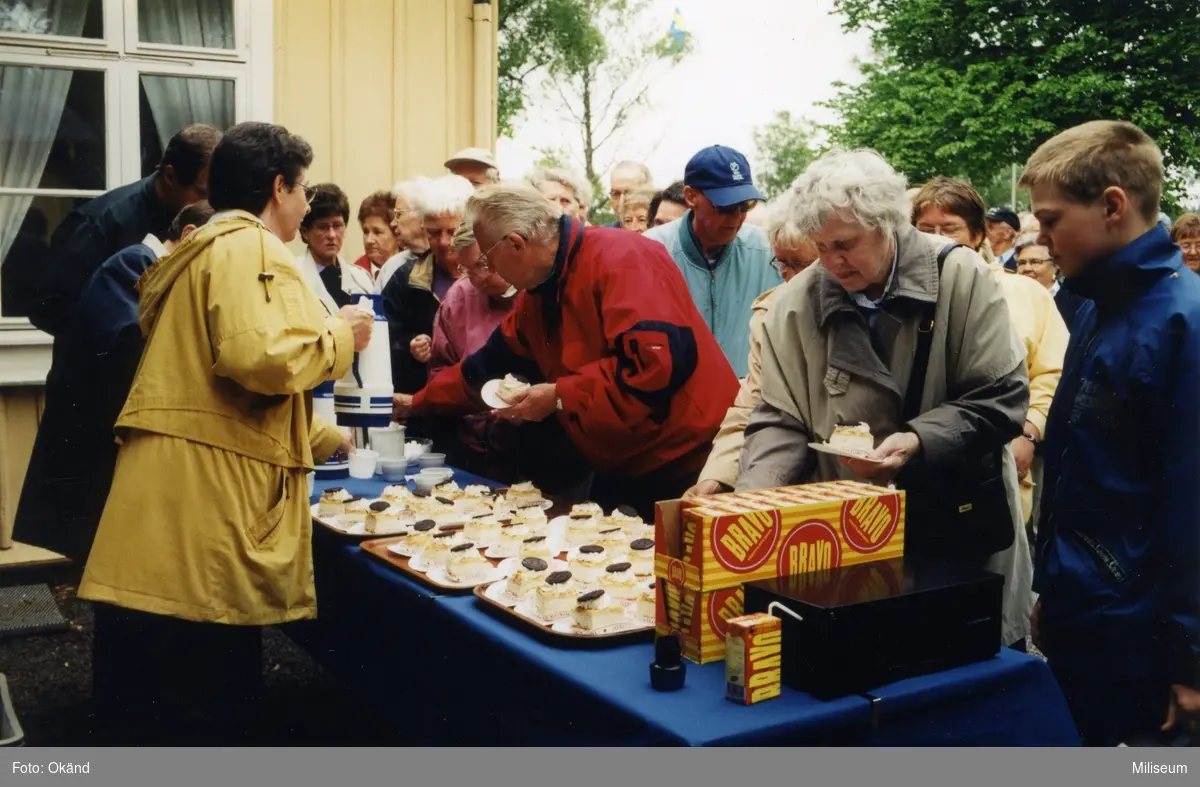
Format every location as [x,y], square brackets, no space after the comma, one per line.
[490,392]
[567,626]
[438,576]
[825,448]
[528,609]
[418,563]
[404,550]
[498,592]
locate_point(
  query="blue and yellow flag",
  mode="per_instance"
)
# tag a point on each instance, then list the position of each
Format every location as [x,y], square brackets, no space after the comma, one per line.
[678,32]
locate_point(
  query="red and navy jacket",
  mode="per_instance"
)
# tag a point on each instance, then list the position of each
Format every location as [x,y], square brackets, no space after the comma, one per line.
[642,381]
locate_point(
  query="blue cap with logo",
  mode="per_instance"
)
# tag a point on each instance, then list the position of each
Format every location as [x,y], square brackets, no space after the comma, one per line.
[723,175]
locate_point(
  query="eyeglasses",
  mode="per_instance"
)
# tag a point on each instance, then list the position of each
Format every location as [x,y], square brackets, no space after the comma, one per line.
[787,265]
[1038,262]
[484,266]
[1190,247]
[741,207]
[310,192]
[946,230]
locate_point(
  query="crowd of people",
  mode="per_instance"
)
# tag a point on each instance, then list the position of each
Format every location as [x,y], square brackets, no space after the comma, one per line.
[1030,379]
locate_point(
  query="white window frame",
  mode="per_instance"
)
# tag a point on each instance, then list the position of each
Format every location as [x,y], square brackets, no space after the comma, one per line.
[124,60]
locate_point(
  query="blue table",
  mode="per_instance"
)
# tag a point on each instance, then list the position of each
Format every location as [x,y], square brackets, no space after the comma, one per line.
[481,678]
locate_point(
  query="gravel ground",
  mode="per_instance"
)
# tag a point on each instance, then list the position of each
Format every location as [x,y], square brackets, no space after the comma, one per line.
[50,677]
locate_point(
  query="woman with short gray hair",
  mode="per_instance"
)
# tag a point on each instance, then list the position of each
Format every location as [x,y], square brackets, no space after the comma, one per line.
[910,335]
[566,188]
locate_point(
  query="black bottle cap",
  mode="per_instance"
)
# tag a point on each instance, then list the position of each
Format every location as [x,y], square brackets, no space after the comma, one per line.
[668,670]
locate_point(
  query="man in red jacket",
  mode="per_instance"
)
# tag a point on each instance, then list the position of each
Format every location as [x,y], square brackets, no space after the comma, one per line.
[606,330]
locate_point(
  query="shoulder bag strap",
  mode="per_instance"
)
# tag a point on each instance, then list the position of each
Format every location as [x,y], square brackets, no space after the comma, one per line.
[916,382]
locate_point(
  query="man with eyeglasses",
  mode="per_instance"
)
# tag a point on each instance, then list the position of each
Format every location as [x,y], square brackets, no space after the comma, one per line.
[726,263]
[334,281]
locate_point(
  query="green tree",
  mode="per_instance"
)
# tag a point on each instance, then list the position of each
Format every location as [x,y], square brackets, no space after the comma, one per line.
[785,148]
[600,90]
[533,35]
[966,87]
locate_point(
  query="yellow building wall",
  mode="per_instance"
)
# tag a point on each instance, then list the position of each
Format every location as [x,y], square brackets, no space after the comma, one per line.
[384,90]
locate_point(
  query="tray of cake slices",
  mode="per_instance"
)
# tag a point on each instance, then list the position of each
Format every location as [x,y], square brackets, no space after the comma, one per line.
[599,586]
[399,508]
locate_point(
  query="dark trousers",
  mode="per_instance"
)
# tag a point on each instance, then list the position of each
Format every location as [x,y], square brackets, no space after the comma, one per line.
[161,681]
[1108,710]
[668,483]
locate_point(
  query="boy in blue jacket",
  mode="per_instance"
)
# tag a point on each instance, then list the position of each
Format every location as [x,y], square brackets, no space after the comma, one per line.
[1118,552]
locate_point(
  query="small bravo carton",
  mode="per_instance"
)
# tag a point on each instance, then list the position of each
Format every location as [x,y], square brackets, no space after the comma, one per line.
[753,658]
[706,548]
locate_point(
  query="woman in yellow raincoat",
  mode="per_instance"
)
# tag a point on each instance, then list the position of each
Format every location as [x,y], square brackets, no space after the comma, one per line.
[206,535]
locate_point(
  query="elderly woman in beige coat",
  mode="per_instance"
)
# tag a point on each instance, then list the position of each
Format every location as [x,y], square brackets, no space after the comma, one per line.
[839,345]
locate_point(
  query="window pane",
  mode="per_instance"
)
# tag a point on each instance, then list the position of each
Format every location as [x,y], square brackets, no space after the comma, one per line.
[199,23]
[74,18]
[51,128]
[26,225]
[170,103]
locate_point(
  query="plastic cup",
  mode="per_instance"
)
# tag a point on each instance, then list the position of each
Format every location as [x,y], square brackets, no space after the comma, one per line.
[362,463]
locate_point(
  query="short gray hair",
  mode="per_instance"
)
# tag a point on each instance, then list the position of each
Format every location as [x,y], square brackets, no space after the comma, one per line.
[855,184]
[569,178]
[780,231]
[647,179]
[505,208]
[444,196]
[409,189]
[1024,242]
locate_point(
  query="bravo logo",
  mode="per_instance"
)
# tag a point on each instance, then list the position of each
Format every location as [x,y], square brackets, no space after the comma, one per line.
[724,605]
[676,572]
[811,546]
[869,522]
[745,542]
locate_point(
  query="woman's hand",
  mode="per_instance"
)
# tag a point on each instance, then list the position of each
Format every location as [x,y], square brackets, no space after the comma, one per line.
[361,323]
[704,489]
[891,455]
[347,446]
[421,348]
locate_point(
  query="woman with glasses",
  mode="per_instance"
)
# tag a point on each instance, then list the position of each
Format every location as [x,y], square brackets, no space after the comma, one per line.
[793,253]
[1034,261]
[839,346]
[333,280]
[1186,233]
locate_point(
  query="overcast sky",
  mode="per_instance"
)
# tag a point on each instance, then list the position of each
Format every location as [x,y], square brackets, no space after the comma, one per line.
[750,58]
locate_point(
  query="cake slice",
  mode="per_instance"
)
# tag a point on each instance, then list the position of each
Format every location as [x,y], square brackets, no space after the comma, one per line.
[587,562]
[535,546]
[465,564]
[852,437]
[641,555]
[596,610]
[356,511]
[555,598]
[620,582]
[531,573]
[333,501]
[647,605]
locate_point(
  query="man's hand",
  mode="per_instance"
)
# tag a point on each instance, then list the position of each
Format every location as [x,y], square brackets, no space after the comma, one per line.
[401,407]
[891,455]
[1184,708]
[703,489]
[421,348]
[538,403]
[361,323]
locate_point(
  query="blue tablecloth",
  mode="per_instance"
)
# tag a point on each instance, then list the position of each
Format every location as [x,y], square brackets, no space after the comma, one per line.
[484,679]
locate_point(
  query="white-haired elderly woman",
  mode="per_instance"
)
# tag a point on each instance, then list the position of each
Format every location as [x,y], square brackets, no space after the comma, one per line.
[841,346]
[407,227]
[793,253]
[564,187]
[412,296]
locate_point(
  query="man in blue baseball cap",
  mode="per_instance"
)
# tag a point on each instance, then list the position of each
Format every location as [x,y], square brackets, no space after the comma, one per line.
[726,262]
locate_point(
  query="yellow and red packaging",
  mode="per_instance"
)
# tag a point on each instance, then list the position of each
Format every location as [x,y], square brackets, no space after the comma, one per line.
[753,658]
[706,548]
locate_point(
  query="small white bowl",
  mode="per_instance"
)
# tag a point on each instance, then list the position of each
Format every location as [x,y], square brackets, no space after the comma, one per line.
[362,463]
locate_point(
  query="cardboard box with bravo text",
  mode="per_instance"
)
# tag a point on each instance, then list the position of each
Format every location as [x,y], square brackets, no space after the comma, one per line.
[706,549]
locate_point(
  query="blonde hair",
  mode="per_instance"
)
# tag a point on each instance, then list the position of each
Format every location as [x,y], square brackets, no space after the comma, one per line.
[1085,160]
[505,208]
[639,198]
